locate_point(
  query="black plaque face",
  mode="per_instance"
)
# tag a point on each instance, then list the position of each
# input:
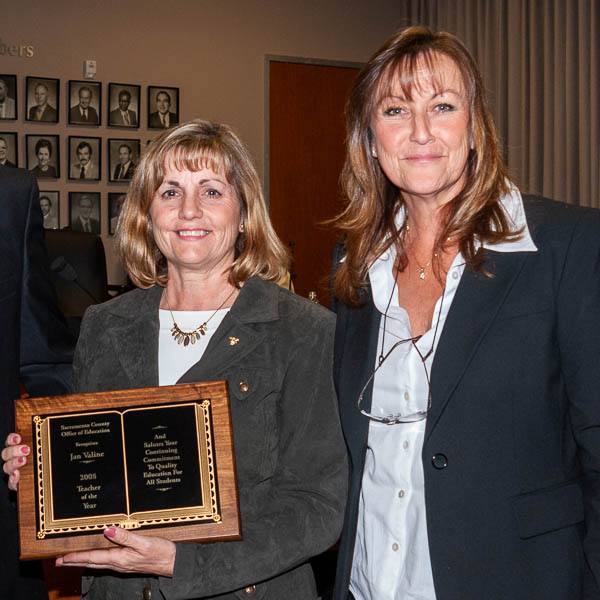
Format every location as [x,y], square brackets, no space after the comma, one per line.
[88,475]
[162,458]
[138,467]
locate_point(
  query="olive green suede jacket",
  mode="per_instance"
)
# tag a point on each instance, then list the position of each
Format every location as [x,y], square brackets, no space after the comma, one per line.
[289,451]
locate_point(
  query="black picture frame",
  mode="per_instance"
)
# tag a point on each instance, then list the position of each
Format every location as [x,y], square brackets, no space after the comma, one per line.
[81,148]
[115,116]
[9,108]
[78,95]
[95,211]
[43,164]
[115,168]
[51,99]
[169,99]
[9,149]
[50,206]
[115,202]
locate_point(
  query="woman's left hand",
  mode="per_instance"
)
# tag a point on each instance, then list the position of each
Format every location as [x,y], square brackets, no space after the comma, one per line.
[136,554]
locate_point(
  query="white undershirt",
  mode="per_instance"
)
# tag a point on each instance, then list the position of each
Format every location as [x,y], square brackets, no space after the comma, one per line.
[176,359]
[391,554]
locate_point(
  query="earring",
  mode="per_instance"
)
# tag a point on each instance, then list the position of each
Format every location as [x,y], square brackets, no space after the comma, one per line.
[373,152]
[242,227]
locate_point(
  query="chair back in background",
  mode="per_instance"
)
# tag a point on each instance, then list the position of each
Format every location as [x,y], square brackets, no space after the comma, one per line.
[78,269]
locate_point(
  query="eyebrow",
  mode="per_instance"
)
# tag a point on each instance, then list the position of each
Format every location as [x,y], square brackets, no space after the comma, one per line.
[211,179]
[201,182]
[436,95]
[447,91]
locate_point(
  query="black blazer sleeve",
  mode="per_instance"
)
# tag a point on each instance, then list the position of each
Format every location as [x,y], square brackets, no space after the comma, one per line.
[578,301]
[46,345]
[35,345]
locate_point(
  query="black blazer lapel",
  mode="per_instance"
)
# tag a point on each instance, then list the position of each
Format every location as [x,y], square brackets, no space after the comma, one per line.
[356,348]
[477,301]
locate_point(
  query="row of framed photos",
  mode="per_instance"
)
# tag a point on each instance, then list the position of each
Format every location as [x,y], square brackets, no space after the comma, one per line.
[84,102]
[84,156]
[85,210]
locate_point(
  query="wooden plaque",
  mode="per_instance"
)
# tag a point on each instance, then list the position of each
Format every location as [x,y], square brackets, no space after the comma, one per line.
[155,460]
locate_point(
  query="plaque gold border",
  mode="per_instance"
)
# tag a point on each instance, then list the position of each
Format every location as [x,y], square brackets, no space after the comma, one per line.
[218,513]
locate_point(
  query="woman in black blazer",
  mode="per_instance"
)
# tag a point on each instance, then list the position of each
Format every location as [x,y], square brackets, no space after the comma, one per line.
[467,350]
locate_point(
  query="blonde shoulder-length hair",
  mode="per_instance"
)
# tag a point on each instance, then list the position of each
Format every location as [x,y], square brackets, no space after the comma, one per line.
[194,146]
[372,201]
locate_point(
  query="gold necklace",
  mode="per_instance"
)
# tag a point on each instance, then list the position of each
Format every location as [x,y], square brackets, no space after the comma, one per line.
[422,267]
[186,337]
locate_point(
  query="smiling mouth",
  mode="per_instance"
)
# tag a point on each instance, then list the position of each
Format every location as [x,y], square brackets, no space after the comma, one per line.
[423,157]
[194,233]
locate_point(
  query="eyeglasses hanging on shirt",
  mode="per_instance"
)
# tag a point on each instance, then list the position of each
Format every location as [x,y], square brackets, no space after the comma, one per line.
[398,418]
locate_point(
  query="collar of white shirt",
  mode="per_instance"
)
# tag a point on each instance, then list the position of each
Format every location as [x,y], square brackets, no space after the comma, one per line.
[380,273]
[512,204]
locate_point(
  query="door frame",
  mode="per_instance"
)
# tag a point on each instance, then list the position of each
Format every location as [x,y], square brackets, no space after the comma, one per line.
[269,58]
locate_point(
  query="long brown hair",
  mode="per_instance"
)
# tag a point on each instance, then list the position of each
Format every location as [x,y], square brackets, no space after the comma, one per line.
[194,146]
[368,221]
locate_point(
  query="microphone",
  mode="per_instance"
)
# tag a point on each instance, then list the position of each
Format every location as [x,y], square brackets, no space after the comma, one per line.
[65,270]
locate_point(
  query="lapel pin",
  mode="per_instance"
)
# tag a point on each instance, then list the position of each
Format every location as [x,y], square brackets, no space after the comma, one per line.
[233,340]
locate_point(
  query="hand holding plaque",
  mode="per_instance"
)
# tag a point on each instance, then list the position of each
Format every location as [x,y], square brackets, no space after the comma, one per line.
[14,456]
[132,554]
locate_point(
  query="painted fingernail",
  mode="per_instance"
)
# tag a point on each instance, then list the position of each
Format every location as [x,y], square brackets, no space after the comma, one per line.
[25,450]
[110,532]
[21,460]
[15,439]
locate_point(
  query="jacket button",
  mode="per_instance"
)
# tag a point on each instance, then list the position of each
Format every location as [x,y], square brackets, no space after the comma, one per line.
[251,589]
[439,461]
[243,386]
[147,593]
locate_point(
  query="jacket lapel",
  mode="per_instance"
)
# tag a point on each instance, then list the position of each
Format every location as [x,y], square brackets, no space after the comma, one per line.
[474,308]
[231,342]
[358,339]
[237,335]
[135,340]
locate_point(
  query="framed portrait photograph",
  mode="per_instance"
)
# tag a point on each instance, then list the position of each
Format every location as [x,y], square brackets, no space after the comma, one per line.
[8,97]
[50,205]
[123,105]
[163,107]
[9,149]
[42,99]
[123,156]
[84,104]
[85,160]
[115,203]
[43,155]
[84,211]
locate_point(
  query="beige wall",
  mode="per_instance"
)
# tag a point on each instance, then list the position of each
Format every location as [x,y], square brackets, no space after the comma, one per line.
[213,51]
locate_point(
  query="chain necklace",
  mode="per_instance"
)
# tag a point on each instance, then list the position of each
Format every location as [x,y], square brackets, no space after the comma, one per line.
[185,337]
[422,267]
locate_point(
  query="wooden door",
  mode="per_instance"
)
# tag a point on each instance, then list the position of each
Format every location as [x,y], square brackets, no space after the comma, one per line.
[306,154]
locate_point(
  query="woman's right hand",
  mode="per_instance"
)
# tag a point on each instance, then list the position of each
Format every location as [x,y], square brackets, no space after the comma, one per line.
[14,456]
